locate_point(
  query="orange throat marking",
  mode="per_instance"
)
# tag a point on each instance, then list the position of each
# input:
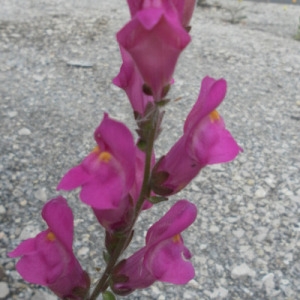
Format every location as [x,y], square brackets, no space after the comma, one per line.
[176,239]
[51,236]
[105,156]
[214,116]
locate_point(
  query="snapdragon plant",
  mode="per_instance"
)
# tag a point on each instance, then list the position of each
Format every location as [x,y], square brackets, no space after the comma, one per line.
[121,176]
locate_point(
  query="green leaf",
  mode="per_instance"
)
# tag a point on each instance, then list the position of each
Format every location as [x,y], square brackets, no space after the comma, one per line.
[108,296]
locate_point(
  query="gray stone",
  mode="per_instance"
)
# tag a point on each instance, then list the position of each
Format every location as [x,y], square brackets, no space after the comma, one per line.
[12,114]
[268,283]
[83,251]
[238,233]
[24,131]
[4,290]
[41,295]
[2,210]
[260,193]
[242,271]
[41,194]
[219,293]
[29,231]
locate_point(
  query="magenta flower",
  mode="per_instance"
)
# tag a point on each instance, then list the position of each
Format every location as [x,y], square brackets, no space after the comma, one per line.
[118,218]
[131,81]
[204,141]
[107,174]
[184,8]
[164,258]
[48,258]
[154,38]
[136,5]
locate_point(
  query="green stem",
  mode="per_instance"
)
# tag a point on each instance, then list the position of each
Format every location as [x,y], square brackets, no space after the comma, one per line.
[103,283]
[145,191]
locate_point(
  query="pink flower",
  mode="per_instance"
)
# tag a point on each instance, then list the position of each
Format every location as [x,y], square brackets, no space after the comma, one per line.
[136,5]
[154,38]
[184,8]
[48,258]
[118,218]
[107,174]
[131,81]
[204,141]
[164,258]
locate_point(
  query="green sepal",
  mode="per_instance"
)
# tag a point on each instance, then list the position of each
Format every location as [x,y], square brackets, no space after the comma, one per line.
[188,28]
[120,278]
[106,256]
[162,191]
[163,102]
[130,238]
[157,199]
[107,295]
[165,90]
[159,178]
[147,90]
[142,145]
[79,291]
[137,115]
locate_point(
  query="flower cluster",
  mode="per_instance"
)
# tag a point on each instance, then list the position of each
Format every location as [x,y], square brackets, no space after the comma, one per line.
[121,176]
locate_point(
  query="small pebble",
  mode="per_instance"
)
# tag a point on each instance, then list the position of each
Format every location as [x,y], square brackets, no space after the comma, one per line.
[41,194]
[260,193]
[2,210]
[12,114]
[4,291]
[83,251]
[242,271]
[24,131]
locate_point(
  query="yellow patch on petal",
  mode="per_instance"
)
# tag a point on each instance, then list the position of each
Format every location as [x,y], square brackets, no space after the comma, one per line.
[96,149]
[51,236]
[176,238]
[214,116]
[105,156]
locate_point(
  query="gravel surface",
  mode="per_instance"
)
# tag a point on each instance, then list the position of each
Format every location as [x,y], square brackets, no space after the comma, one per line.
[56,65]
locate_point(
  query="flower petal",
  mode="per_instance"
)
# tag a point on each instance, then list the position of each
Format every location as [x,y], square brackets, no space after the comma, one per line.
[26,247]
[59,218]
[211,94]
[167,263]
[180,216]
[74,178]
[118,141]
[212,143]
